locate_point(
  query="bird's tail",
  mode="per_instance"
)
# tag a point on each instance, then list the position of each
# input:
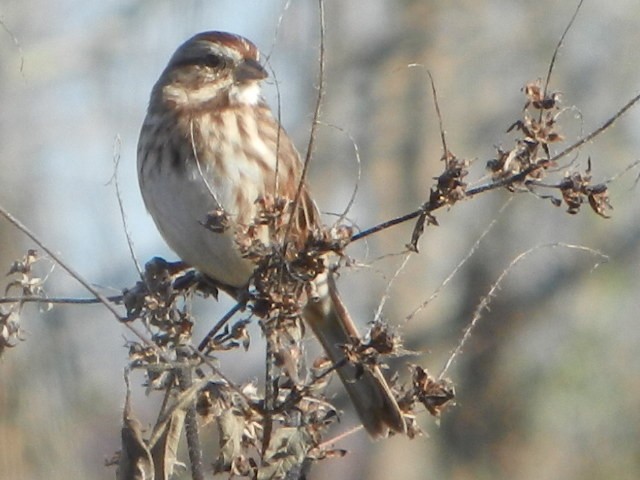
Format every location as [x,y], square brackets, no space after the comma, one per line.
[367,388]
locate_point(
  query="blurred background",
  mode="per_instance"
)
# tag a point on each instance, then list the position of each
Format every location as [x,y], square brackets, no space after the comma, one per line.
[548,386]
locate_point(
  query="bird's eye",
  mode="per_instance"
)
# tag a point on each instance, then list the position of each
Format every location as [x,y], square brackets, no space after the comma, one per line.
[214,61]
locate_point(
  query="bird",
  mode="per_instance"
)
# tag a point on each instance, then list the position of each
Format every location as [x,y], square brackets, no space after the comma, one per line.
[210,147]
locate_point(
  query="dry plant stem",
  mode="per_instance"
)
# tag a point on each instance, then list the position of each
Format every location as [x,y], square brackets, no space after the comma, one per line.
[460,264]
[276,183]
[101,298]
[278,97]
[185,380]
[358,160]
[184,399]
[60,300]
[338,438]
[123,216]
[384,225]
[598,131]
[276,32]
[483,305]
[269,393]
[314,127]
[167,396]
[443,138]
[218,326]
[557,49]
[428,207]
[621,173]
[193,443]
[207,361]
[387,291]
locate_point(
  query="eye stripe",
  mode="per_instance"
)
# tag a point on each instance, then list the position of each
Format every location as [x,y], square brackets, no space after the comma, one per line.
[214,50]
[210,60]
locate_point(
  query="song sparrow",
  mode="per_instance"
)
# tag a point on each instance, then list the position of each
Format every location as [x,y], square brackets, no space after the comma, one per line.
[209,143]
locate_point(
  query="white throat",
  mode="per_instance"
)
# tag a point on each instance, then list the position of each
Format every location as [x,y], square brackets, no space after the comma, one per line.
[245,94]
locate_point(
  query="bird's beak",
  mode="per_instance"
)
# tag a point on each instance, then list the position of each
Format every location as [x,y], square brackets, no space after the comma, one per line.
[249,70]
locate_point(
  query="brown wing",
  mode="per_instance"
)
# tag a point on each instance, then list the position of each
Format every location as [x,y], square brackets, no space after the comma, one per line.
[306,218]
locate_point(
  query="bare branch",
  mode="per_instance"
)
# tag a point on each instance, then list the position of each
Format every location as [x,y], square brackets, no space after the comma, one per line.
[503,182]
[597,131]
[56,258]
[100,297]
[60,300]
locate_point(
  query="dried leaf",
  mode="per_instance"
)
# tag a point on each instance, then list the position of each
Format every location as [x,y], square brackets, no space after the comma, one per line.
[10,331]
[230,426]
[165,450]
[135,459]
[435,395]
[286,454]
[217,221]
[599,200]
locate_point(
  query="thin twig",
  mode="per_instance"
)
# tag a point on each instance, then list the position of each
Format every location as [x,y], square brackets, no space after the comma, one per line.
[622,172]
[436,104]
[354,193]
[387,291]
[201,174]
[384,225]
[269,394]
[194,447]
[557,49]
[60,300]
[276,31]
[216,328]
[598,131]
[460,264]
[20,226]
[314,126]
[276,176]
[181,402]
[418,228]
[484,303]
[340,437]
[75,275]
[207,361]
[519,177]
[276,180]
[123,216]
